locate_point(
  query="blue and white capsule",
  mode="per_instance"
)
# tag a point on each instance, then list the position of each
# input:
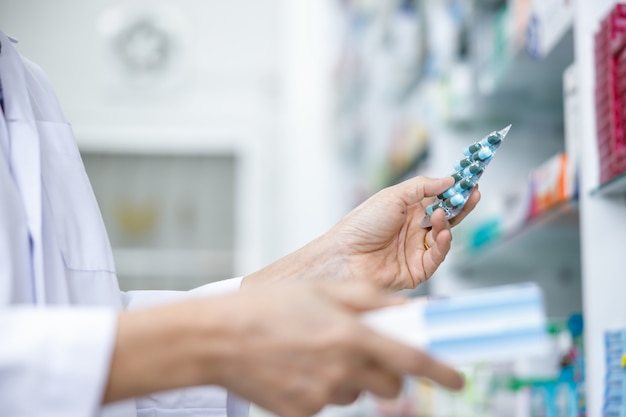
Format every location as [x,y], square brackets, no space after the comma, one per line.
[494,139]
[431,209]
[448,193]
[455,201]
[458,176]
[482,155]
[463,163]
[474,147]
[473,170]
[465,184]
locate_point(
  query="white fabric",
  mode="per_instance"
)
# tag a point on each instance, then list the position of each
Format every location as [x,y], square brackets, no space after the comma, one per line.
[65,377]
[135,299]
[58,289]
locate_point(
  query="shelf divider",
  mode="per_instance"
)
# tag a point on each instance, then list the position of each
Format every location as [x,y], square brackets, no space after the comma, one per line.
[613,188]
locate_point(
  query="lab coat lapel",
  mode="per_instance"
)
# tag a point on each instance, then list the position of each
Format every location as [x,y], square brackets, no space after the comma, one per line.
[24,152]
[4,135]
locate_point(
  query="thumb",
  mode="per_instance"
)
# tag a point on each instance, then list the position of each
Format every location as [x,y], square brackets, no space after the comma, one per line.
[361,296]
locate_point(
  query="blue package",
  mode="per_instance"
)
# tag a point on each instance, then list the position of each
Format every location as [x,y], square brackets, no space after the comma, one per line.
[467,173]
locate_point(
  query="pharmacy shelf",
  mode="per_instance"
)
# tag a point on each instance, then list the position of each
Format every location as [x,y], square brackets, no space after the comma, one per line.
[521,86]
[548,241]
[491,4]
[615,187]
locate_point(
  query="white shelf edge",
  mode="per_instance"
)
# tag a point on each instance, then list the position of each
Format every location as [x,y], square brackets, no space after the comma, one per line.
[563,214]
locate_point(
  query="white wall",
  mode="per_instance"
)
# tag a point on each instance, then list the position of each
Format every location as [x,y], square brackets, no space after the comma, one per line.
[311,200]
[249,76]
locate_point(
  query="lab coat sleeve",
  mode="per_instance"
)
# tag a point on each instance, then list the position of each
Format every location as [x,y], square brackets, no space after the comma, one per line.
[208,401]
[54,361]
[146,298]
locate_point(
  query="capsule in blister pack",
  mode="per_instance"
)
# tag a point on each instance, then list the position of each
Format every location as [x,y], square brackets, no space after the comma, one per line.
[467,173]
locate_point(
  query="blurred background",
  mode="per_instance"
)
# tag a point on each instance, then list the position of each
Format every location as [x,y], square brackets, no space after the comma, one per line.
[205,126]
[222,135]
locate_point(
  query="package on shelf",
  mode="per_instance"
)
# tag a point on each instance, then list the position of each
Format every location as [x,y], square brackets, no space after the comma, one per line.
[615,377]
[423,398]
[610,62]
[551,184]
[517,204]
[549,20]
[571,114]
[563,395]
[499,37]
[520,17]
[553,399]
[420,397]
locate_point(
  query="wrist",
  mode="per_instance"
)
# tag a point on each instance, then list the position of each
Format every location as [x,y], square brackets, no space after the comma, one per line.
[168,347]
[321,258]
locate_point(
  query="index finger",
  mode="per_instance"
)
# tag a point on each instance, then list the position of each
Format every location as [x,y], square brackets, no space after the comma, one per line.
[416,189]
[406,360]
[431,187]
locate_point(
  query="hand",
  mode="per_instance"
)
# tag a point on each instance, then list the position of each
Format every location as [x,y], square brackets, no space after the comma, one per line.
[382,240]
[291,349]
[299,348]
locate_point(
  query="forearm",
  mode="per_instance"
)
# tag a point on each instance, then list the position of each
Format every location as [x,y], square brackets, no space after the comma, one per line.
[319,258]
[168,347]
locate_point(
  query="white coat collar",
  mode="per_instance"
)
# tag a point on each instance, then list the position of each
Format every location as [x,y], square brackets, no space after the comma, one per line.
[16,101]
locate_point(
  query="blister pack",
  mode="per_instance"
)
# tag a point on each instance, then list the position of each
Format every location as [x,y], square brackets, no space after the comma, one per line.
[467,173]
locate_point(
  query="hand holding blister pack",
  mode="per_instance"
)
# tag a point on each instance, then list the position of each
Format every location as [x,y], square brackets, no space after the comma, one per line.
[468,171]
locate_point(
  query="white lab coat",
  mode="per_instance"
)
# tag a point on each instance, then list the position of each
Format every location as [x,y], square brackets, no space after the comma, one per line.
[58,289]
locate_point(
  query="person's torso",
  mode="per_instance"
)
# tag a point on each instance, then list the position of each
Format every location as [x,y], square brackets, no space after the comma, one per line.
[47,207]
[76,257]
